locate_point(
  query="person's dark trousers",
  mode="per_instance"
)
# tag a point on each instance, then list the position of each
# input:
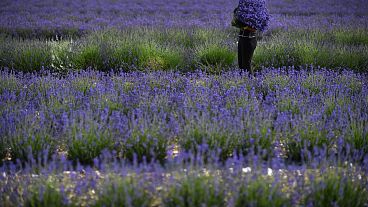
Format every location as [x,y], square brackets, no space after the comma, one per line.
[246,46]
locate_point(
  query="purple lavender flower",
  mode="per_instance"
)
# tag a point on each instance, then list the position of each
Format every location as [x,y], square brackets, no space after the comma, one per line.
[253,13]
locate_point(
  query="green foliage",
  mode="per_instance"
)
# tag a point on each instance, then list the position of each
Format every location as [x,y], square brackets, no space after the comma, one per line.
[274,82]
[259,141]
[62,56]
[5,47]
[288,104]
[164,49]
[202,36]
[9,83]
[351,58]
[30,56]
[305,53]
[215,55]
[335,190]
[88,143]
[217,140]
[45,196]
[352,82]
[306,140]
[3,150]
[195,192]
[314,83]
[35,144]
[274,53]
[327,49]
[357,37]
[124,192]
[89,56]
[261,193]
[357,136]
[128,86]
[125,55]
[147,143]
[83,84]
[180,37]
[158,57]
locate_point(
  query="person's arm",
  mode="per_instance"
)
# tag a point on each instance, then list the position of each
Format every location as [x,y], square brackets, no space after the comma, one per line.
[234,21]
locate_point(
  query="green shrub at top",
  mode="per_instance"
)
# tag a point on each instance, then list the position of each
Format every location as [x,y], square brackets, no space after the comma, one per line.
[335,190]
[125,192]
[31,56]
[273,53]
[214,55]
[61,55]
[89,57]
[205,35]
[5,47]
[195,191]
[146,55]
[158,57]
[333,49]
[354,58]
[125,55]
[356,37]
[178,37]
[143,48]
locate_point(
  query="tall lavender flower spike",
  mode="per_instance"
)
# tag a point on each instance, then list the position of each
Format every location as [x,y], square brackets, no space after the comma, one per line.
[253,13]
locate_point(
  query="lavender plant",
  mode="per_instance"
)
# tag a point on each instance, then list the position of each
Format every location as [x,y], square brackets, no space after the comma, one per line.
[195,191]
[124,192]
[88,143]
[252,13]
[45,195]
[149,145]
[261,192]
[338,190]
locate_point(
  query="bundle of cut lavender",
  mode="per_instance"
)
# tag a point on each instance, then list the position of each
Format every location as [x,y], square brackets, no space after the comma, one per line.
[251,13]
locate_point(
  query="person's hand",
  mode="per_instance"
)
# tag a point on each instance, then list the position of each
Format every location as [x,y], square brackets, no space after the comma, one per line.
[247,28]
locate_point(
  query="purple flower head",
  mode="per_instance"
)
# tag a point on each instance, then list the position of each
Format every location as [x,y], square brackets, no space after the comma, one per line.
[253,13]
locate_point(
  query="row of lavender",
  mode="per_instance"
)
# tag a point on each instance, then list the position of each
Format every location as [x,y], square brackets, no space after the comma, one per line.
[168,139]
[49,18]
[294,116]
[185,49]
[196,186]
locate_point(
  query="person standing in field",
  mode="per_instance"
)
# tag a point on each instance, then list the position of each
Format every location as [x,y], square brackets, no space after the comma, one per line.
[249,16]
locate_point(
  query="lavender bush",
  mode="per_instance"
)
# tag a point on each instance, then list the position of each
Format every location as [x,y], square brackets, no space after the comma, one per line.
[253,13]
[143,116]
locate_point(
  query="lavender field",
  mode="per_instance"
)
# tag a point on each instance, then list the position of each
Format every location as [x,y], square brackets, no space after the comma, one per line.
[141,103]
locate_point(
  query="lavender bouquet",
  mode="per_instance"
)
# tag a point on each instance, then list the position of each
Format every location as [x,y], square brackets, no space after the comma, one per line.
[251,13]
